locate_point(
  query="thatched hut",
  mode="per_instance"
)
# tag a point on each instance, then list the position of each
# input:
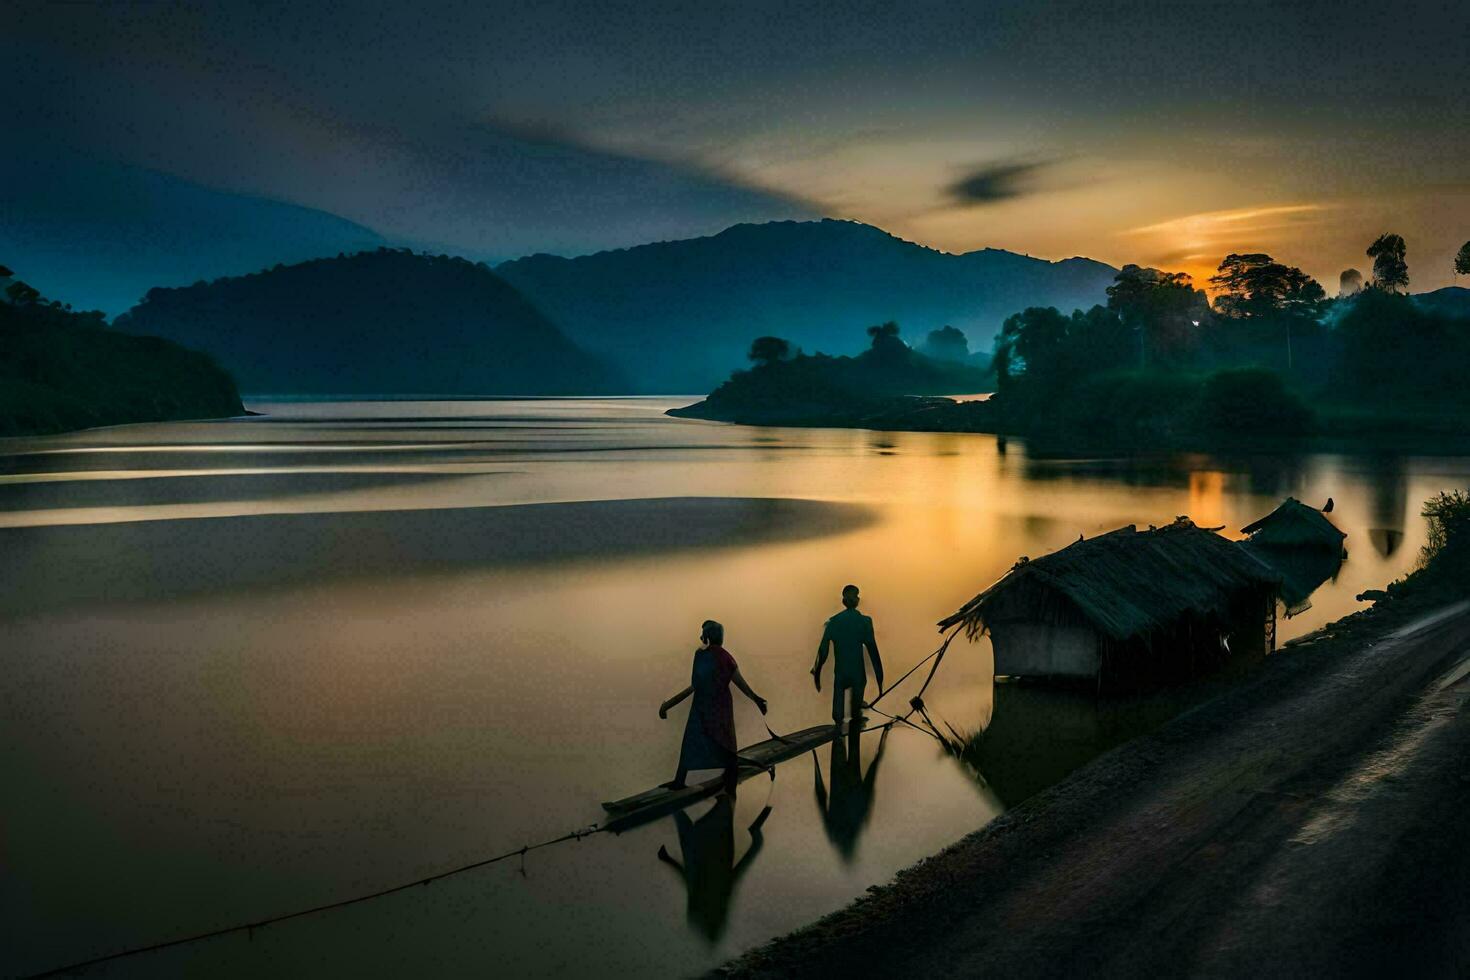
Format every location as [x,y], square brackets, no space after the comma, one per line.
[1295,525]
[1302,544]
[1127,606]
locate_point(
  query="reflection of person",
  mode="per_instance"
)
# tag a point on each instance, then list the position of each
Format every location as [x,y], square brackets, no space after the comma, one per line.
[709,868]
[846,808]
[709,734]
[848,633]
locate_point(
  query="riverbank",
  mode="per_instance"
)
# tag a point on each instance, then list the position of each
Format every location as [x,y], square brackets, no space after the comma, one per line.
[1336,429]
[1310,822]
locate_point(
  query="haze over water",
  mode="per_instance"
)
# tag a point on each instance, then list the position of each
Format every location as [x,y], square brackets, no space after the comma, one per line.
[259,665]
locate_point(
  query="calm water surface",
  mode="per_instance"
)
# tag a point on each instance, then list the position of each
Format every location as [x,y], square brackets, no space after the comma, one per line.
[259,665]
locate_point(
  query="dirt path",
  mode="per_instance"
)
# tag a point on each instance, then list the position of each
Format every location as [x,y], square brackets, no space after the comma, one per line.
[1315,822]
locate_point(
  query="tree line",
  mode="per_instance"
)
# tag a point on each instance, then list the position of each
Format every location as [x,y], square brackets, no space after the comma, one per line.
[1371,342]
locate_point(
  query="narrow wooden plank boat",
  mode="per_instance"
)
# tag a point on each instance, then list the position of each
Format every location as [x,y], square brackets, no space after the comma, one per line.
[660,801]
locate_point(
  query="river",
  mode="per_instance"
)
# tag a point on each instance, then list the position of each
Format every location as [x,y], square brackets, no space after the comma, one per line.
[258,665]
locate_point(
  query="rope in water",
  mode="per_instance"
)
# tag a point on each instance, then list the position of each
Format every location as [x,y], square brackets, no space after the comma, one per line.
[250,927]
[262,923]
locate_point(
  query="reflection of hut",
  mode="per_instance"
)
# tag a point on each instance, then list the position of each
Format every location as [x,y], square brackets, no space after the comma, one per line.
[1127,605]
[1037,735]
[1302,545]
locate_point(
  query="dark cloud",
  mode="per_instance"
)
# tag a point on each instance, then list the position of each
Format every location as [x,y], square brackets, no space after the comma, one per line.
[392,115]
[422,149]
[996,182]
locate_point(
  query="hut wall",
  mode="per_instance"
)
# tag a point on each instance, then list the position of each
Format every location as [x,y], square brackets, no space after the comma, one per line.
[1044,650]
[1252,627]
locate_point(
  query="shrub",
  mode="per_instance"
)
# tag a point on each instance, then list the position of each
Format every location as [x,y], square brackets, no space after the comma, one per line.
[1250,400]
[1448,548]
[1133,407]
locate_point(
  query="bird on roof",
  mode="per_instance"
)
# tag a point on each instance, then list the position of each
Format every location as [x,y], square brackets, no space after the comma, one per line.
[1328,509]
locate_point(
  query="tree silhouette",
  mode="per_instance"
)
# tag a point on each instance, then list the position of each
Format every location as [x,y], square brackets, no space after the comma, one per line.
[1033,343]
[22,294]
[1255,285]
[883,330]
[885,338]
[1390,271]
[769,350]
[947,344]
[1462,260]
[1350,282]
[1163,308]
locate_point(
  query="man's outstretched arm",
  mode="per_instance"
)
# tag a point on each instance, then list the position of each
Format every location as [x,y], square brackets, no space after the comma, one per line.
[822,655]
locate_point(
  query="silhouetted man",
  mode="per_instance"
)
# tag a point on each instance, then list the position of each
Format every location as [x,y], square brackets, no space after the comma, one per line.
[848,633]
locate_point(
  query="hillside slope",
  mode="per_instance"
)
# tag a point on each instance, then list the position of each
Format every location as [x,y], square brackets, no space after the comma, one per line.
[61,370]
[1451,301]
[679,316]
[385,322]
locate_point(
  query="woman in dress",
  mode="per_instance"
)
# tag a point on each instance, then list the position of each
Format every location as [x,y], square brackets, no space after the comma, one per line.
[709,734]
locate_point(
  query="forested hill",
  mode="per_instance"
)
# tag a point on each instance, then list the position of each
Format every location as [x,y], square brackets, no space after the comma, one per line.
[679,316]
[383,322]
[61,370]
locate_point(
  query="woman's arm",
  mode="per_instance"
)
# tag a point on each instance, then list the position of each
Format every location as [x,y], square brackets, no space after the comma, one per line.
[757,841]
[663,709]
[760,702]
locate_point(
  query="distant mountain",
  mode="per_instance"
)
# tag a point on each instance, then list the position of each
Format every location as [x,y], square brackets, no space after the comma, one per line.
[1451,301]
[104,233]
[383,322]
[679,316]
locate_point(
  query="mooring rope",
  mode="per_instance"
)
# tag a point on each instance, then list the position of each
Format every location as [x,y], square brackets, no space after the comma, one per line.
[936,656]
[342,903]
[899,720]
[916,703]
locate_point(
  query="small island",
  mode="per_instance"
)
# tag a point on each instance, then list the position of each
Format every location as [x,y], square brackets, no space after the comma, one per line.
[888,386]
[61,370]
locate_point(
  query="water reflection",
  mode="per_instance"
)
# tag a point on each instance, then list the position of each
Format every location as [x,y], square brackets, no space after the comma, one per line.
[846,801]
[1207,497]
[1389,489]
[261,680]
[1206,478]
[709,870]
[1037,735]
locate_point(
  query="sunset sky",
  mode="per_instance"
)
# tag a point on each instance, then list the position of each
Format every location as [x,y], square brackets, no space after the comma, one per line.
[1111,130]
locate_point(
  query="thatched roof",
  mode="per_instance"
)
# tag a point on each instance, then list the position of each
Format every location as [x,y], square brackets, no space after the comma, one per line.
[1292,525]
[1127,582]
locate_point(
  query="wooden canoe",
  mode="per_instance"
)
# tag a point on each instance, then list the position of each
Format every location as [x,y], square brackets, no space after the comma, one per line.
[660,801]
